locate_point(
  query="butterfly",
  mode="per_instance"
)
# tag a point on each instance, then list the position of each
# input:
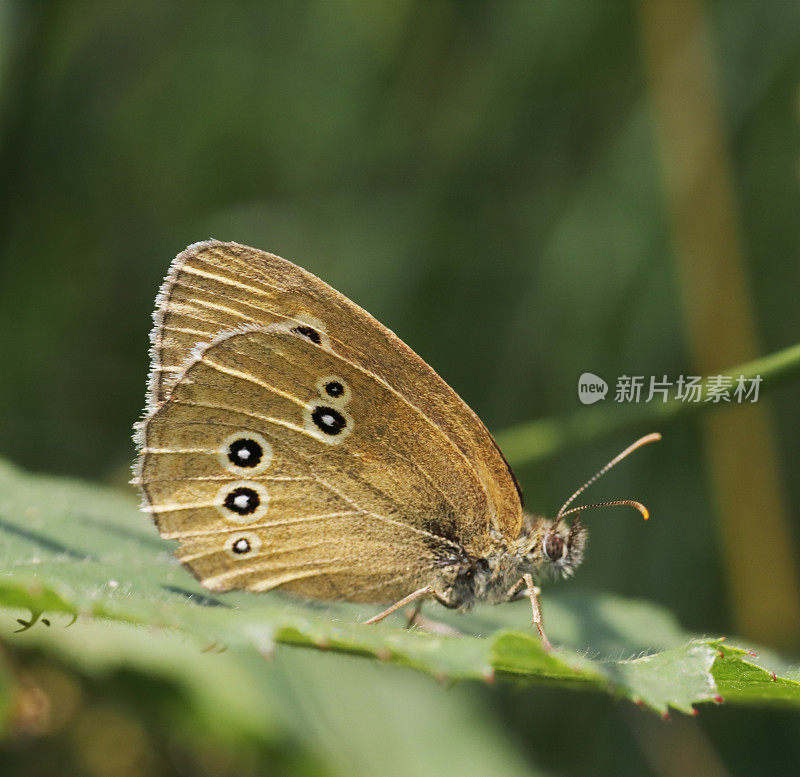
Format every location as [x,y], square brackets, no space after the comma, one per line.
[291,440]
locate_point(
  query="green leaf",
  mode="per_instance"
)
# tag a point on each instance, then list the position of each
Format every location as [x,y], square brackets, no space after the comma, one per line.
[307,708]
[80,550]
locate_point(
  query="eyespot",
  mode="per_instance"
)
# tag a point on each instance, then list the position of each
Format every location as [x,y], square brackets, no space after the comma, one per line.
[553,547]
[309,333]
[245,452]
[328,419]
[242,501]
[326,422]
[240,545]
[311,329]
[334,389]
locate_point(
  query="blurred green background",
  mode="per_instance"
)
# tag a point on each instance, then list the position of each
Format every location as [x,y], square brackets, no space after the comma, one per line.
[522,191]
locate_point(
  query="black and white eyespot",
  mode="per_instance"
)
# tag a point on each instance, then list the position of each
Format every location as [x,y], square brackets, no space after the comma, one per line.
[311,329]
[308,332]
[242,501]
[243,545]
[327,421]
[245,453]
[334,389]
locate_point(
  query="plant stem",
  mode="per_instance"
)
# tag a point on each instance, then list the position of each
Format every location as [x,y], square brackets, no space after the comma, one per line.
[546,437]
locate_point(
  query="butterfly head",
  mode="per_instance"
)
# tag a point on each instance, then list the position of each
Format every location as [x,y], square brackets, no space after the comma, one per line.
[554,548]
[557,546]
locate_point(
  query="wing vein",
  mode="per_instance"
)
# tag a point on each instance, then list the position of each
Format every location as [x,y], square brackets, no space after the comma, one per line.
[269,583]
[333,490]
[230,281]
[251,379]
[239,411]
[186,330]
[360,369]
[262,525]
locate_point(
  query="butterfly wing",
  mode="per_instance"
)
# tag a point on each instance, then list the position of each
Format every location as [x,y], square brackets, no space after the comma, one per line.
[277,460]
[213,287]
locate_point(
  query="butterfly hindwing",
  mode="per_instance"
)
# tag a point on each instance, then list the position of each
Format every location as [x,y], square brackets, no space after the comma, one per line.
[276,461]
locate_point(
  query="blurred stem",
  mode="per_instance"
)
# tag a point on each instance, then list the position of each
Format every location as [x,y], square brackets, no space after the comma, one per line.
[546,437]
[757,546]
[679,749]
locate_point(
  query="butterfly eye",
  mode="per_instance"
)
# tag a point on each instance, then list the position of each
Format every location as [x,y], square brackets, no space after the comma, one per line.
[553,547]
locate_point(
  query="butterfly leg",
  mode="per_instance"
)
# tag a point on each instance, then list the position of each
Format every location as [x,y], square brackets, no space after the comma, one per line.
[525,587]
[411,617]
[533,595]
[418,594]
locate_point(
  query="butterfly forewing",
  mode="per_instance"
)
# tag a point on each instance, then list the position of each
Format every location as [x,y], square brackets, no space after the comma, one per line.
[214,287]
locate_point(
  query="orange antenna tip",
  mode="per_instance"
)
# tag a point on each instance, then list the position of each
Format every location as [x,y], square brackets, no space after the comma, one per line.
[642,509]
[617,503]
[653,437]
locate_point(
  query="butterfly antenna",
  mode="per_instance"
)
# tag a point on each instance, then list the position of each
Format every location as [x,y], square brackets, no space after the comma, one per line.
[616,460]
[619,503]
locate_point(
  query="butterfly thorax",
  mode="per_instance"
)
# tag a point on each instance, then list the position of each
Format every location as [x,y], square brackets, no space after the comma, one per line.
[544,549]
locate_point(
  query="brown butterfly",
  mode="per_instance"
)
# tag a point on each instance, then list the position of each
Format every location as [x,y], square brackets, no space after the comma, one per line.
[292,440]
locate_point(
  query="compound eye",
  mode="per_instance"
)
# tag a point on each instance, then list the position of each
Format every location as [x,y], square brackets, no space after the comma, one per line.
[553,547]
